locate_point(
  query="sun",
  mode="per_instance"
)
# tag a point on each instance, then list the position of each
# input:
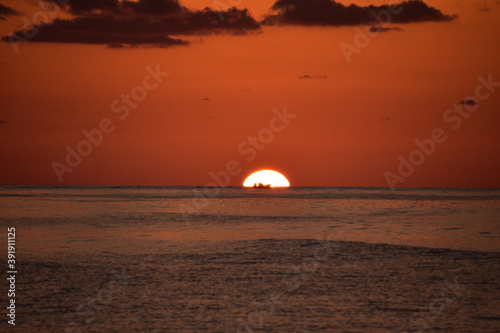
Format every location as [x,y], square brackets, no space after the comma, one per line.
[266,178]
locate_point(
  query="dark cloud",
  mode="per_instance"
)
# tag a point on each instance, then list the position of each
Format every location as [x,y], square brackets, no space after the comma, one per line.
[78,7]
[143,23]
[307,76]
[468,102]
[206,99]
[3,122]
[150,7]
[377,28]
[7,11]
[99,30]
[154,7]
[332,13]
[117,46]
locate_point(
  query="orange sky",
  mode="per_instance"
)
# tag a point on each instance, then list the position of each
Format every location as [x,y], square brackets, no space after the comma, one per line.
[352,120]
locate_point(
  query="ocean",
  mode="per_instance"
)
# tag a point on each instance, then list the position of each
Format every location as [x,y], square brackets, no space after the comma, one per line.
[194,259]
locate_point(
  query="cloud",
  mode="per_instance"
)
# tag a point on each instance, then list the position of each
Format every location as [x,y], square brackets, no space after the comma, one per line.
[3,122]
[149,7]
[377,28]
[468,102]
[332,13]
[307,76]
[7,11]
[206,99]
[122,24]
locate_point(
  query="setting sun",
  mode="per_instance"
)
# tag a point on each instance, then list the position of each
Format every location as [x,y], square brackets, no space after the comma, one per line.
[266,178]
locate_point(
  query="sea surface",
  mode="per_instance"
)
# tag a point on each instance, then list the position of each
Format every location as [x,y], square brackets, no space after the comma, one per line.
[195,259]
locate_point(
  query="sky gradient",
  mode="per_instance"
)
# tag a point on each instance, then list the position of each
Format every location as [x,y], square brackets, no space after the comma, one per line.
[325,101]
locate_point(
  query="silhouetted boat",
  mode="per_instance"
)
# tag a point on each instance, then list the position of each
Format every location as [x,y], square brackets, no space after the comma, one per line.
[260,185]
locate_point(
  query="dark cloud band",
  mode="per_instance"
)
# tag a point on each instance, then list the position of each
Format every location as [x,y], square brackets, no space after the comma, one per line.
[153,22]
[145,22]
[6,11]
[332,13]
